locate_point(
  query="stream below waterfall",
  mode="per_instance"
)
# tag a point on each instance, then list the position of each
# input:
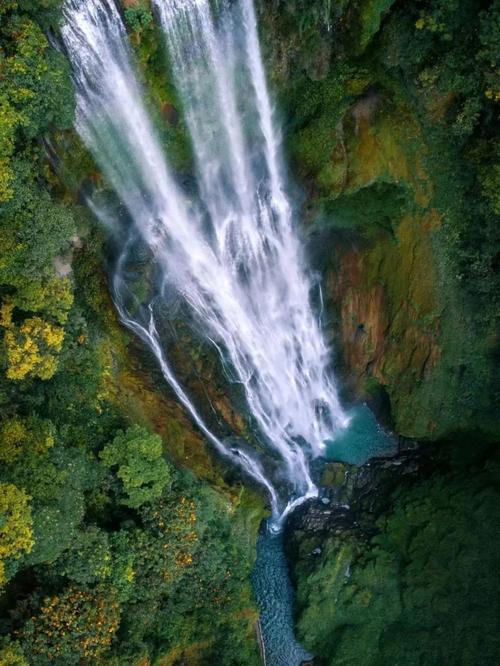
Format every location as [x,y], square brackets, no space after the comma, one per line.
[274,594]
[361,441]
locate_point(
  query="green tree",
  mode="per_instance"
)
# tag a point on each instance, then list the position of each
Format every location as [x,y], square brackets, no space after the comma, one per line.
[35,78]
[88,559]
[11,654]
[33,228]
[138,17]
[57,482]
[9,120]
[52,296]
[136,455]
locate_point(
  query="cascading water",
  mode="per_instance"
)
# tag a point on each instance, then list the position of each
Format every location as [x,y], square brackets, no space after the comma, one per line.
[234,255]
[263,315]
[113,123]
[231,250]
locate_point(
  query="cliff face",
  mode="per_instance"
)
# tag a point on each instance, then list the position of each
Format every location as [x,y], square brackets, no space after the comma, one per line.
[389,119]
[383,283]
[394,169]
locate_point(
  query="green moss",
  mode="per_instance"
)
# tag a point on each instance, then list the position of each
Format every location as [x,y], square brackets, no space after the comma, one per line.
[317,108]
[373,208]
[159,90]
[371,14]
[333,474]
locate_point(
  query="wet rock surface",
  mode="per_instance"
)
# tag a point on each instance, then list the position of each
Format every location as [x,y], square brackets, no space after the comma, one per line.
[351,497]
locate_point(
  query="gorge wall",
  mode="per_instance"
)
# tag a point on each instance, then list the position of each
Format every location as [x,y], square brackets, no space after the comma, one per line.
[389,112]
[390,116]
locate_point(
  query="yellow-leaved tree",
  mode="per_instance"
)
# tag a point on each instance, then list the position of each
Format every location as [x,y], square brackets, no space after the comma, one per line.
[31,348]
[16,525]
[24,435]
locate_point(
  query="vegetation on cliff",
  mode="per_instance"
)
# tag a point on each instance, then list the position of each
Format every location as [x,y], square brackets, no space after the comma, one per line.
[414,582]
[391,113]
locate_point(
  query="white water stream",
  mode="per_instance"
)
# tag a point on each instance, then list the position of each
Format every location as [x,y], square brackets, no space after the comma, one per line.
[234,254]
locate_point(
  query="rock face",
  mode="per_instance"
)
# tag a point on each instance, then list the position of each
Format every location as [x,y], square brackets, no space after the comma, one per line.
[383,279]
[352,495]
[389,319]
[381,177]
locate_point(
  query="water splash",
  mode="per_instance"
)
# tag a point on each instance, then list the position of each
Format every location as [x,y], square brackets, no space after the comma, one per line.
[233,254]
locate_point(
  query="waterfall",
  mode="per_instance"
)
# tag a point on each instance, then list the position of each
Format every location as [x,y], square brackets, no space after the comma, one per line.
[233,252]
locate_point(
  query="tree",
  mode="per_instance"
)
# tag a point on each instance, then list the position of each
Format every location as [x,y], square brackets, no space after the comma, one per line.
[16,535]
[73,626]
[34,229]
[53,297]
[31,349]
[11,654]
[137,457]
[9,119]
[88,558]
[138,17]
[35,78]
[57,482]
[19,435]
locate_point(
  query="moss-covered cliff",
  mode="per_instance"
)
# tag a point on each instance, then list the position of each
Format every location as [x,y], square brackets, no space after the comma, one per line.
[389,112]
[390,116]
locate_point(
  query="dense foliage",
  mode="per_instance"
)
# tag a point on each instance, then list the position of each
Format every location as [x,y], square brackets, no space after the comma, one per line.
[108,552]
[424,590]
